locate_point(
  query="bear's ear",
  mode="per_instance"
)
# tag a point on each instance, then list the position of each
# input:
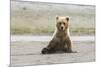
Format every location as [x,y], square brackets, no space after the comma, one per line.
[67,18]
[57,17]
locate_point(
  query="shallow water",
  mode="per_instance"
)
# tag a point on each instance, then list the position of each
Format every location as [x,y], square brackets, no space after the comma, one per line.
[15,38]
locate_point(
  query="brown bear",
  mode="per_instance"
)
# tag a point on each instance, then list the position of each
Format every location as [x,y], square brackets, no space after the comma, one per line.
[61,39]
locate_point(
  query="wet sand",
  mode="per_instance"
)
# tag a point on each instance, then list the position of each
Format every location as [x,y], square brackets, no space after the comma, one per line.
[29,53]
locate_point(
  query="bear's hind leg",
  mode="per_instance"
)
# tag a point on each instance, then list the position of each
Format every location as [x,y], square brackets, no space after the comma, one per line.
[45,51]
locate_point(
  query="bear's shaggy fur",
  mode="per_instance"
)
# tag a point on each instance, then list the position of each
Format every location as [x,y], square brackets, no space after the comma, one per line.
[61,38]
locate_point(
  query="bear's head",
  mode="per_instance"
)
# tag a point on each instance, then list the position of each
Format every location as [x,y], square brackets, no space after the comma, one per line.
[62,23]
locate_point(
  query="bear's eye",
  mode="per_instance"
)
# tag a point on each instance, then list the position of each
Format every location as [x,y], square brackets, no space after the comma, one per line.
[60,23]
[64,23]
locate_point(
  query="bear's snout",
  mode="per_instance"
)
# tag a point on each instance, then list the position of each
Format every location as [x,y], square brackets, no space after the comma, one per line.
[62,28]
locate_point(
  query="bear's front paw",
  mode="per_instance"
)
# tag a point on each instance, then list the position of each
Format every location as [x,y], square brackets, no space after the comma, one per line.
[44,51]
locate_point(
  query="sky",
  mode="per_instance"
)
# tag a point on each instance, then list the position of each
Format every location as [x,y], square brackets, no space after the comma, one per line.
[86,2]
